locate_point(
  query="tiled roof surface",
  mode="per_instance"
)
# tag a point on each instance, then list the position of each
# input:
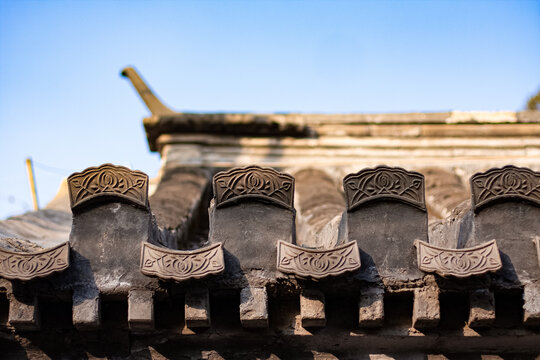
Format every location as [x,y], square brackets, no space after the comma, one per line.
[290,236]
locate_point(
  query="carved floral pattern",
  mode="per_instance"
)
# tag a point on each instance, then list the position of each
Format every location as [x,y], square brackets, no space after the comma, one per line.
[254,182]
[458,262]
[27,266]
[384,183]
[509,182]
[317,263]
[181,265]
[108,180]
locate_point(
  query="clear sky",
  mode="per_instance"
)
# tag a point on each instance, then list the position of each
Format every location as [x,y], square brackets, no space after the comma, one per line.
[63,103]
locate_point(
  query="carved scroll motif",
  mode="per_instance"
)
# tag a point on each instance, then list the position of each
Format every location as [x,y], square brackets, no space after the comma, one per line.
[108,181]
[317,263]
[384,183]
[28,266]
[181,265]
[458,262]
[509,182]
[254,182]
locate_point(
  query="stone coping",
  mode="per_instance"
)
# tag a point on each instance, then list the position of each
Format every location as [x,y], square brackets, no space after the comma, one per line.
[309,125]
[164,120]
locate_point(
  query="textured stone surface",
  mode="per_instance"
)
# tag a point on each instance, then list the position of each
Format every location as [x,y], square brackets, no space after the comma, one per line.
[385,216]
[254,307]
[482,308]
[371,308]
[385,233]
[319,206]
[444,191]
[179,207]
[312,312]
[251,211]
[106,244]
[514,225]
[86,313]
[426,308]
[249,233]
[43,229]
[506,203]
[141,310]
[303,125]
[197,308]
[531,304]
[453,231]
[24,313]
[354,153]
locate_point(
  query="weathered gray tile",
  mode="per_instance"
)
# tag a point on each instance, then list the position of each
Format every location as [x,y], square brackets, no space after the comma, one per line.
[312,308]
[482,308]
[24,313]
[197,308]
[141,310]
[371,308]
[254,307]
[426,307]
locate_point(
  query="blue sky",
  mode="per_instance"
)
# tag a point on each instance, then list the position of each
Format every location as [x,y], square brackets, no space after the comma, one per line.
[63,103]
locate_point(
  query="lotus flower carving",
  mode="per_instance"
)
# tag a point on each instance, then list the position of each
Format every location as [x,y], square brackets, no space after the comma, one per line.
[108,180]
[27,266]
[509,182]
[317,263]
[459,262]
[181,265]
[382,183]
[254,182]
